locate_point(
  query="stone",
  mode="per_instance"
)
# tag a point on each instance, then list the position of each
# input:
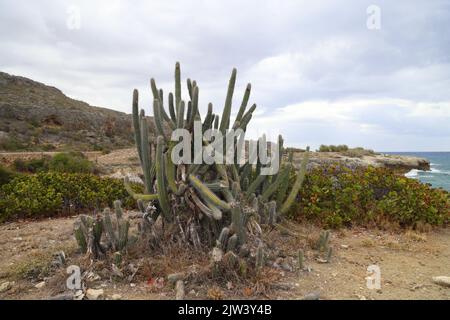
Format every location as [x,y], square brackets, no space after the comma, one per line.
[40,285]
[179,289]
[94,294]
[116,297]
[312,296]
[174,277]
[5,286]
[442,281]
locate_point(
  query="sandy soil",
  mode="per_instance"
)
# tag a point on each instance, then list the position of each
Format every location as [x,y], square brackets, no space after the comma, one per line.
[407,262]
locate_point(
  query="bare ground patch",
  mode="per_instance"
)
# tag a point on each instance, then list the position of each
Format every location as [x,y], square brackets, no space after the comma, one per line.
[408,260]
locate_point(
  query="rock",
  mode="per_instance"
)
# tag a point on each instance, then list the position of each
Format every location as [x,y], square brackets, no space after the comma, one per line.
[116,297]
[442,280]
[116,271]
[179,289]
[40,285]
[63,296]
[5,286]
[174,277]
[94,294]
[344,246]
[312,296]
[59,259]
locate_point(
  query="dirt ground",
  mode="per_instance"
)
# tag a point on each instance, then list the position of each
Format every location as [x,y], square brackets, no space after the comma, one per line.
[407,262]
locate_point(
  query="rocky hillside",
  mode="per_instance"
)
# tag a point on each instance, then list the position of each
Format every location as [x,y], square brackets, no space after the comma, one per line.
[34,117]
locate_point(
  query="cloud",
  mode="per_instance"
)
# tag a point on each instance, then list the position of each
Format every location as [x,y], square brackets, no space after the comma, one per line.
[312,58]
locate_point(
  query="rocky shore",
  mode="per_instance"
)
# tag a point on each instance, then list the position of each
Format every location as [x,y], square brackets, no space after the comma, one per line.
[401,164]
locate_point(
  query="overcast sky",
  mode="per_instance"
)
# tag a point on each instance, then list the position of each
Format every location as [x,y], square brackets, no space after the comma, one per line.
[319,74]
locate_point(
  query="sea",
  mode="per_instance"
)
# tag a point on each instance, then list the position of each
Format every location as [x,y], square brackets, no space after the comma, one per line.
[439,176]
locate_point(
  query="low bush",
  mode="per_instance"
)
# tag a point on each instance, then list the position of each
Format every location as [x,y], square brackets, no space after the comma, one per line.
[71,162]
[6,175]
[53,193]
[337,196]
[332,148]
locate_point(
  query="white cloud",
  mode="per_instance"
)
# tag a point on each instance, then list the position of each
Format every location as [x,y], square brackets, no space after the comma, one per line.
[310,63]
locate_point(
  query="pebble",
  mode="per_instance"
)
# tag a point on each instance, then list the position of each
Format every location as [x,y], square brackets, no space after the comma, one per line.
[442,280]
[5,286]
[116,296]
[40,285]
[94,294]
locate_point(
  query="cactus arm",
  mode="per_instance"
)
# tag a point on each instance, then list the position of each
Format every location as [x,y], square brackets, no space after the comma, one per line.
[209,114]
[247,117]
[195,110]
[189,86]
[170,171]
[207,194]
[172,108]
[158,95]
[237,220]
[160,180]
[136,123]
[158,119]
[281,178]
[225,122]
[146,163]
[177,85]
[138,196]
[256,183]
[297,184]
[180,112]
[244,103]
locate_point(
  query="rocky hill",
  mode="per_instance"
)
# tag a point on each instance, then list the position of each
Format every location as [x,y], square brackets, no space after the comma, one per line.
[34,117]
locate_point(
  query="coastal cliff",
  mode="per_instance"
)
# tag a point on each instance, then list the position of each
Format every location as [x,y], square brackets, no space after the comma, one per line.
[402,164]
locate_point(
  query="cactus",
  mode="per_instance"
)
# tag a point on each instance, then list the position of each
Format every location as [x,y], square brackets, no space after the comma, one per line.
[301,259]
[95,236]
[226,195]
[260,261]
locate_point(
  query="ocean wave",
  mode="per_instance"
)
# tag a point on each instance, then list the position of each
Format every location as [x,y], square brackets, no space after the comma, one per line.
[412,174]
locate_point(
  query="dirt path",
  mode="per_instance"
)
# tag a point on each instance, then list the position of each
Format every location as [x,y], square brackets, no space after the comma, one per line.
[407,262]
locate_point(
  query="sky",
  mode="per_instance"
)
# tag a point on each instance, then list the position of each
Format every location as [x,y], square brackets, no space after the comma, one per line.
[363,73]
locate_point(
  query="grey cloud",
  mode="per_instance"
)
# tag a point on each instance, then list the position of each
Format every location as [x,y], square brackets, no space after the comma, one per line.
[291,51]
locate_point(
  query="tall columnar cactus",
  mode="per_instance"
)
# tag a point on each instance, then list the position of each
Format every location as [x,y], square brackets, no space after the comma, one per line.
[210,204]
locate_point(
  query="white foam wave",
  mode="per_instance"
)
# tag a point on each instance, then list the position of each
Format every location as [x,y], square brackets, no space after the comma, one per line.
[412,174]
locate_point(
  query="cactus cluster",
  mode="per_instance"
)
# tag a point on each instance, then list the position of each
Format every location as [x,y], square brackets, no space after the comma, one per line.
[212,205]
[100,234]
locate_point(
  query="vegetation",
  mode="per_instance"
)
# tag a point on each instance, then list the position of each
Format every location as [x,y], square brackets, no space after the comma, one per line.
[71,162]
[206,205]
[53,193]
[6,175]
[349,152]
[332,148]
[337,196]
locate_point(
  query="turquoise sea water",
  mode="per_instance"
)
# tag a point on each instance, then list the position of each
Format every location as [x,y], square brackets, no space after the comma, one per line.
[439,176]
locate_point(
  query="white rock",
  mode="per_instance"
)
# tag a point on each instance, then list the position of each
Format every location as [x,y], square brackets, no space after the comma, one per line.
[94,294]
[5,286]
[40,285]
[116,296]
[442,280]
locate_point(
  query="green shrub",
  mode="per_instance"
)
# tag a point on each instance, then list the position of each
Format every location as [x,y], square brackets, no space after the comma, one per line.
[6,175]
[52,193]
[337,196]
[31,166]
[72,162]
[358,152]
[332,148]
